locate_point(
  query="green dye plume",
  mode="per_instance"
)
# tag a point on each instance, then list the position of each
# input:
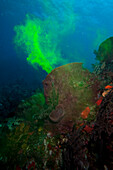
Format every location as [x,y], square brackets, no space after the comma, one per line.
[40,39]
[33,40]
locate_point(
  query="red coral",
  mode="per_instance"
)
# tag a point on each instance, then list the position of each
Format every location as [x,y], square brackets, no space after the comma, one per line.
[31,165]
[88,129]
[99,101]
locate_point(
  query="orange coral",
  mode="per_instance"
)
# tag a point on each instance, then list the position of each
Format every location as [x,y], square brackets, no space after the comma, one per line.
[106,92]
[85,113]
[108,87]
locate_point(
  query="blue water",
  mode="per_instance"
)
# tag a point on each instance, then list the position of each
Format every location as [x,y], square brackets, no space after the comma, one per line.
[93,25]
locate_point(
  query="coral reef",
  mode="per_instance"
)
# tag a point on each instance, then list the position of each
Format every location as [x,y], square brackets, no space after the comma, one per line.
[68,126]
[91,146]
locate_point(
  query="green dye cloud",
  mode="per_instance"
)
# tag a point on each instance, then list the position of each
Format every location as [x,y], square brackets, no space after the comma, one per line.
[40,39]
[37,43]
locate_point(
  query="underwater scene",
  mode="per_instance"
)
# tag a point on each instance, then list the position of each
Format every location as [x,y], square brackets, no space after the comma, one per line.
[56,85]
